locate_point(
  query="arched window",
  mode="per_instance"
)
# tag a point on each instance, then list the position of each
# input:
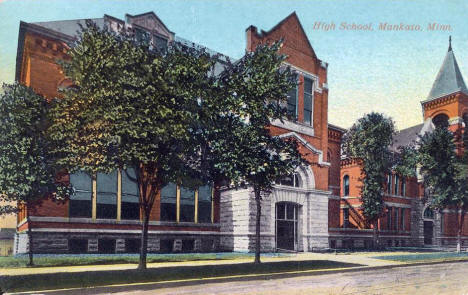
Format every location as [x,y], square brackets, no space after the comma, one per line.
[346,185]
[441,120]
[428,213]
[290,180]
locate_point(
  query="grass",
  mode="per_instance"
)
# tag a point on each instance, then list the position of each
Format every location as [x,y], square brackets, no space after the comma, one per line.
[43,260]
[36,282]
[425,257]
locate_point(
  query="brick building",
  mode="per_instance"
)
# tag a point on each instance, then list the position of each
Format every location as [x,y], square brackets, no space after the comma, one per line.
[408,220]
[316,208]
[103,216]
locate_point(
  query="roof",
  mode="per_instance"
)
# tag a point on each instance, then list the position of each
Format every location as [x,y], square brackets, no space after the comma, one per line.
[337,128]
[410,136]
[69,27]
[449,79]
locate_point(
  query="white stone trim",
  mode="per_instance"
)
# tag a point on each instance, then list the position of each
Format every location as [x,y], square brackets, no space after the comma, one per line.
[308,146]
[119,231]
[399,197]
[455,120]
[294,126]
[392,204]
[116,222]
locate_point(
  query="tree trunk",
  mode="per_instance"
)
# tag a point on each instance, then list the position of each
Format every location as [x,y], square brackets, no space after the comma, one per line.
[30,238]
[257,225]
[144,241]
[375,235]
[461,220]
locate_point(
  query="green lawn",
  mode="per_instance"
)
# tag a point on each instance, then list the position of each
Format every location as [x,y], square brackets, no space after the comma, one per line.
[100,278]
[425,257]
[94,259]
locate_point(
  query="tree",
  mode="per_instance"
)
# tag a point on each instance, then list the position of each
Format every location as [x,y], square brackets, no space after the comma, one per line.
[445,173]
[27,168]
[368,140]
[242,148]
[132,106]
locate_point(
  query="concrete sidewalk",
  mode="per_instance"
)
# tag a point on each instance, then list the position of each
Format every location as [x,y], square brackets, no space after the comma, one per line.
[357,258]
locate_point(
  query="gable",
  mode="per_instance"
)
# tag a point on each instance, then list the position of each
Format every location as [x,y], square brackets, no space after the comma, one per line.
[307,145]
[294,35]
[150,22]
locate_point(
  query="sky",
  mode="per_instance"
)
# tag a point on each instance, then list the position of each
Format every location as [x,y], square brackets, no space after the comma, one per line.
[378,70]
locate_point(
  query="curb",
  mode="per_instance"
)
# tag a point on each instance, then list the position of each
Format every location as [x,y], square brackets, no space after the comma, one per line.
[187,282]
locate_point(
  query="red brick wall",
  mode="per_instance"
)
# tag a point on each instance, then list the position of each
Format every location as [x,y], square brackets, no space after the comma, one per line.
[301,55]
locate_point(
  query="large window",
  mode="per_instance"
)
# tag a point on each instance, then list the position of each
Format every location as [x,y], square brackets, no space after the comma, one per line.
[397,185]
[402,219]
[204,204]
[292,101]
[106,195]
[403,186]
[308,101]
[346,185]
[160,43]
[130,195]
[169,203]
[187,205]
[173,194]
[389,218]
[389,183]
[80,204]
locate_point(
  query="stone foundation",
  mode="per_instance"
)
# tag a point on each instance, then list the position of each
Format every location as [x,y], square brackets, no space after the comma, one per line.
[50,242]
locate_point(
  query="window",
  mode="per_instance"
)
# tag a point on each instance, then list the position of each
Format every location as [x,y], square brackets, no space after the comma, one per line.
[160,43]
[403,187]
[290,180]
[187,205]
[396,219]
[397,184]
[441,120]
[389,218]
[168,202]
[389,184]
[346,185]
[106,195]
[204,204]
[428,213]
[345,217]
[80,204]
[402,219]
[292,101]
[130,195]
[308,101]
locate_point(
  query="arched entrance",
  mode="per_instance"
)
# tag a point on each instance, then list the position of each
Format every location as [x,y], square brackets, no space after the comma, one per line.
[287,215]
[428,217]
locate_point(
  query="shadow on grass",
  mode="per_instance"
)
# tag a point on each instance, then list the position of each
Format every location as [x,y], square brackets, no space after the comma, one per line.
[37,282]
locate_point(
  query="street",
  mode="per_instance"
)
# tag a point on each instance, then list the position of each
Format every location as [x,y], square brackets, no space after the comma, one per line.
[448,278]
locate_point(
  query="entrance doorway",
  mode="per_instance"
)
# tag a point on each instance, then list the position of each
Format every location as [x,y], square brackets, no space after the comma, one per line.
[286,226]
[428,226]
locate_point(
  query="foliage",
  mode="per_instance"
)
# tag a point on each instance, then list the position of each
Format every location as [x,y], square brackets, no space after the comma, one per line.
[369,140]
[132,106]
[254,90]
[444,172]
[27,168]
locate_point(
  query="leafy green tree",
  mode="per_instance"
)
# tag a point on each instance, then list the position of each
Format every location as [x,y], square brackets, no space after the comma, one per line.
[27,168]
[242,148]
[445,173]
[369,140]
[132,107]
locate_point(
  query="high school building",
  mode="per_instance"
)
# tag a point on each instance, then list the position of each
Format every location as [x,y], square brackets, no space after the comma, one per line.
[316,208]
[408,220]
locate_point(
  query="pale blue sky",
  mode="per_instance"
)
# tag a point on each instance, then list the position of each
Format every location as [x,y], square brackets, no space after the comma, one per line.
[389,72]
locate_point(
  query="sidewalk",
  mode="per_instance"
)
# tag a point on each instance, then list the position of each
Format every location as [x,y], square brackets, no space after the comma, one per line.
[357,258]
